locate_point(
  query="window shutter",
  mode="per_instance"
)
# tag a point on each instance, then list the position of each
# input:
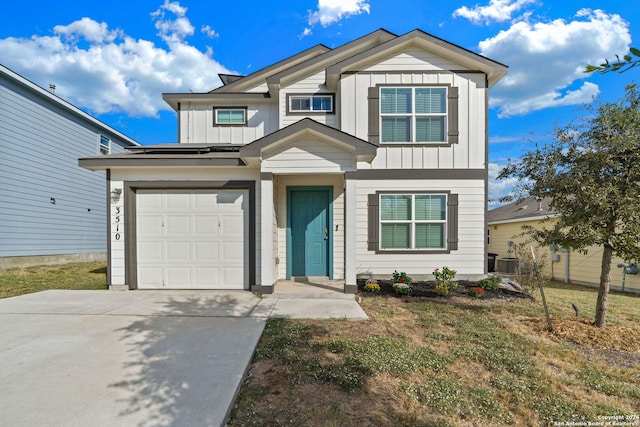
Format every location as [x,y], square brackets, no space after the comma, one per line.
[452,222]
[452,115]
[374,115]
[373,223]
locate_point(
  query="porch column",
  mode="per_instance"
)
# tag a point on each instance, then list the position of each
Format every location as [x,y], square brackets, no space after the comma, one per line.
[350,285]
[267,278]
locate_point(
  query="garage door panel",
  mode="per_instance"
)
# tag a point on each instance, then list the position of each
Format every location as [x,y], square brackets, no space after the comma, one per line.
[206,224]
[206,251]
[192,239]
[205,277]
[233,225]
[178,276]
[151,276]
[150,250]
[151,201]
[233,276]
[149,224]
[176,201]
[232,251]
[178,251]
[178,225]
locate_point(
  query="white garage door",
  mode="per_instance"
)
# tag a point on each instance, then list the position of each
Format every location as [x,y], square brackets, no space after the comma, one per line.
[192,239]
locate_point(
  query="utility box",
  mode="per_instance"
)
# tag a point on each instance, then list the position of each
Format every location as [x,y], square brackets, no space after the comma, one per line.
[507,265]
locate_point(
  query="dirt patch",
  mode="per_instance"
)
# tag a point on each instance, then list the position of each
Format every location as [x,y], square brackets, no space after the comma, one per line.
[614,342]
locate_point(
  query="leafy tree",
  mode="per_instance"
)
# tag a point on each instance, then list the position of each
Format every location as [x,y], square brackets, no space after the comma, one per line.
[591,172]
[618,66]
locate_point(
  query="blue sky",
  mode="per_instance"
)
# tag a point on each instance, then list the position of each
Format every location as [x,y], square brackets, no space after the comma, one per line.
[115,59]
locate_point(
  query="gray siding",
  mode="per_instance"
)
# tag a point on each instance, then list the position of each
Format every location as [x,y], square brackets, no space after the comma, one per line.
[40,143]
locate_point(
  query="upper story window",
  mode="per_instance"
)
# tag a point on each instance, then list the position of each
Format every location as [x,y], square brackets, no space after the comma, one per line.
[413,114]
[413,221]
[229,116]
[104,145]
[310,103]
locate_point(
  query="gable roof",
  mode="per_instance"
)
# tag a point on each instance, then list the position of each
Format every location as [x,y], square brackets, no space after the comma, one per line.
[364,150]
[320,62]
[258,77]
[43,94]
[345,58]
[524,210]
[471,60]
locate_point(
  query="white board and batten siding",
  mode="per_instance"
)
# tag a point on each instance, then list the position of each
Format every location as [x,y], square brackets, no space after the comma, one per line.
[310,85]
[197,124]
[468,259]
[48,204]
[469,152]
[308,155]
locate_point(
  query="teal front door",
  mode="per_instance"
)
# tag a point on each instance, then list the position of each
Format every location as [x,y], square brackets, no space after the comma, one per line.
[310,238]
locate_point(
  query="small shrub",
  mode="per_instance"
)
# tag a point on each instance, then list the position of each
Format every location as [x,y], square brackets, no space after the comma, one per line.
[444,277]
[491,283]
[401,288]
[441,290]
[372,286]
[477,292]
[402,278]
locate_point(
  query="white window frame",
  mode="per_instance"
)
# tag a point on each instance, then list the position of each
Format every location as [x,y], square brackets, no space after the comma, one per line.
[104,145]
[413,115]
[217,110]
[413,221]
[291,98]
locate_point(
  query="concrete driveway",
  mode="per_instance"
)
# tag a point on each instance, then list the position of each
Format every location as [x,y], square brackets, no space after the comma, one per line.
[145,358]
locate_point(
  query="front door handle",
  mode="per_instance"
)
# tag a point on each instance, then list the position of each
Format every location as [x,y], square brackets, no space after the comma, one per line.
[326,234]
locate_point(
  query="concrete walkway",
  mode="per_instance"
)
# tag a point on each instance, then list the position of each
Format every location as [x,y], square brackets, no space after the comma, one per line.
[141,358]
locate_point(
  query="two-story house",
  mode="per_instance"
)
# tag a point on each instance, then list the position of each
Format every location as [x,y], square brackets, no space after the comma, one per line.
[51,211]
[343,163]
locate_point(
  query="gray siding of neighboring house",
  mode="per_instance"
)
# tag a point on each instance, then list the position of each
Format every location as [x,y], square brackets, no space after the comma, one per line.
[40,143]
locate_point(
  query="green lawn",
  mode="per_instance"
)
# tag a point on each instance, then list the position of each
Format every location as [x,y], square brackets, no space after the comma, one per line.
[448,362]
[25,280]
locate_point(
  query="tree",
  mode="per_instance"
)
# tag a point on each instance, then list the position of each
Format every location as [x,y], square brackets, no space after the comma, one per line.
[618,66]
[591,172]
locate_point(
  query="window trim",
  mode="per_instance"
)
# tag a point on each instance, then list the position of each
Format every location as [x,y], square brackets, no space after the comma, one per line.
[374,224]
[413,222]
[292,112]
[236,108]
[101,146]
[451,131]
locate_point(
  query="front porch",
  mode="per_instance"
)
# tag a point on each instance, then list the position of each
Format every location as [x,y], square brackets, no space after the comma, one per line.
[307,206]
[310,288]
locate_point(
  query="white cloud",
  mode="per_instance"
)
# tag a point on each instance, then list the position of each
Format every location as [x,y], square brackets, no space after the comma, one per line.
[107,71]
[331,11]
[499,188]
[546,60]
[495,11]
[209,32]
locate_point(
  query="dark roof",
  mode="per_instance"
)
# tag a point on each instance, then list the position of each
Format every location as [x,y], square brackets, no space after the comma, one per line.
[168,155]
[527,208]
[229,78]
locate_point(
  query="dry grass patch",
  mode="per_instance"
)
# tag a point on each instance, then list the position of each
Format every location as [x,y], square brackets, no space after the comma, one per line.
[25,280]
[438,362]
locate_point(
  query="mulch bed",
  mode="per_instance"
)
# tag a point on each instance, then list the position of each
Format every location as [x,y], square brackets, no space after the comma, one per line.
[426,290]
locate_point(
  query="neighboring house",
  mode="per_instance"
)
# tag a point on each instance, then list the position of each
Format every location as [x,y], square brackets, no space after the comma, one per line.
[341,163]
[51,210]
[505,225]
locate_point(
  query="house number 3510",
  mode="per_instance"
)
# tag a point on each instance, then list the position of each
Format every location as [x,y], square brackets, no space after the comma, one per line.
[117,219]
